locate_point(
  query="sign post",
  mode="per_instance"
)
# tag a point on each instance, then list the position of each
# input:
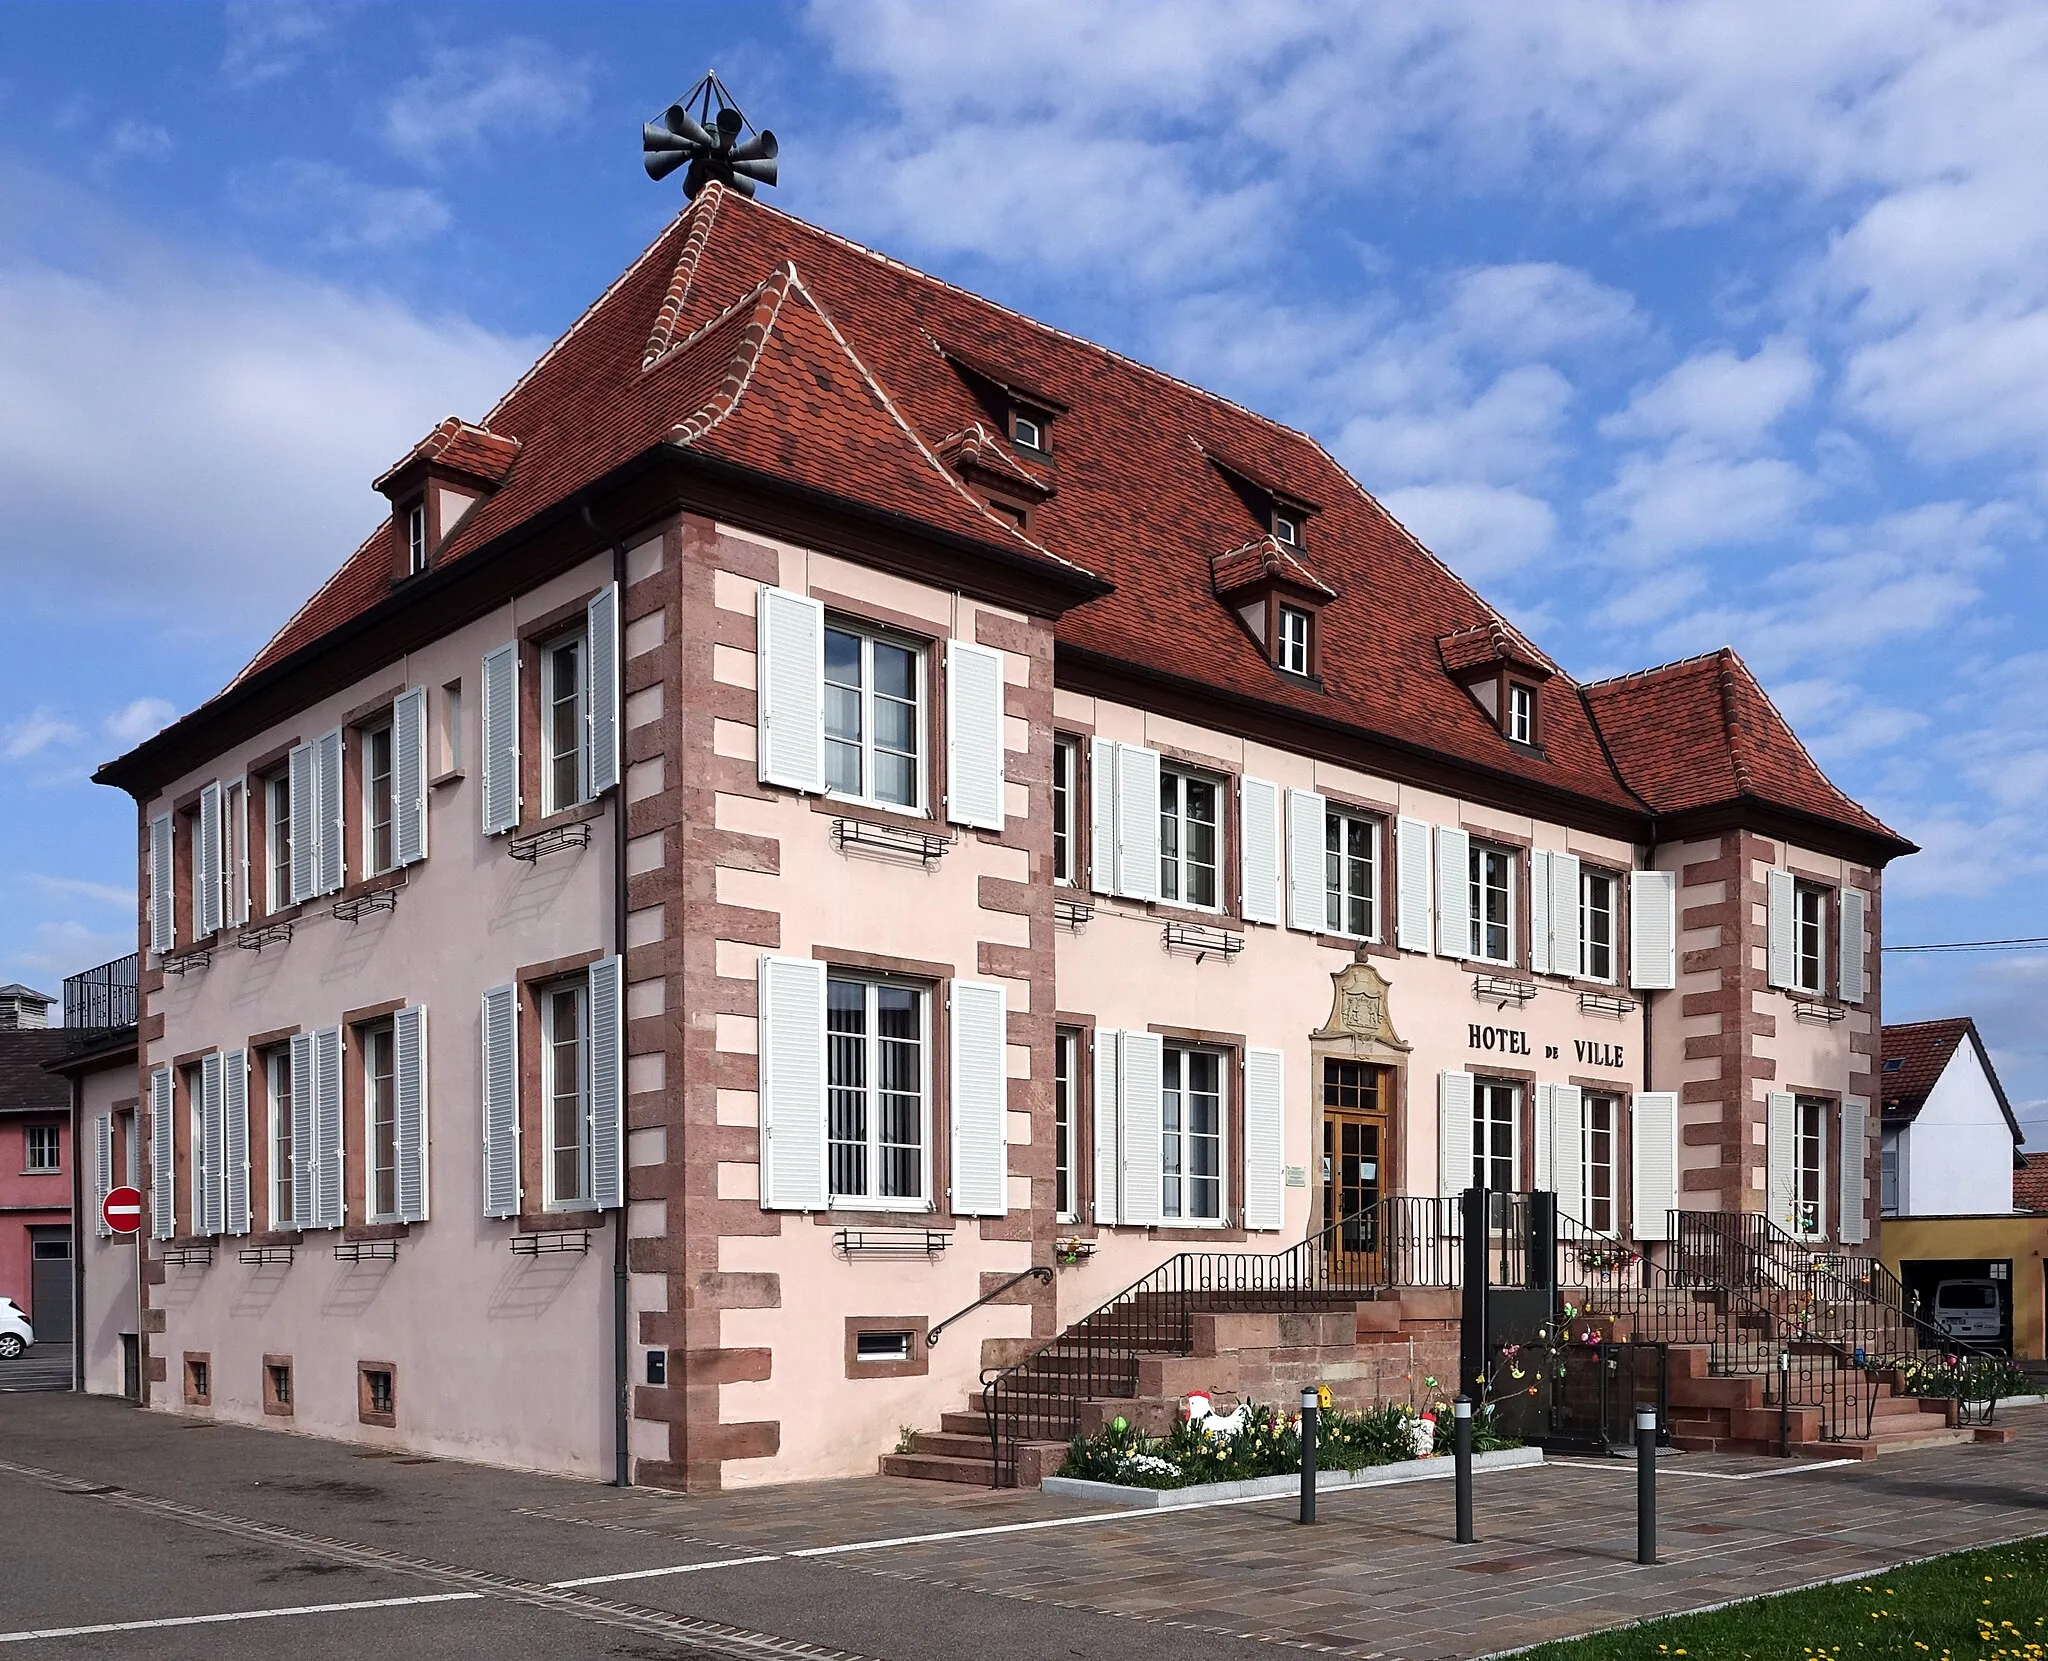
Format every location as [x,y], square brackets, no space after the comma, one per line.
[121,1210]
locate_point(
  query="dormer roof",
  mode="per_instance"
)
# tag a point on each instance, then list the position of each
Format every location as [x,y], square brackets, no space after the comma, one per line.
[458,449]
[975,449]
[1492,645]
[1265,559]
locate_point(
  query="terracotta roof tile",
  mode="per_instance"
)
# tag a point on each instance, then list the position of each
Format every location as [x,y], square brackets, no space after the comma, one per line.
[2030,1184]
[24,1086]
[462,448]
[1915,1053]
[1491,642]
[1266,557]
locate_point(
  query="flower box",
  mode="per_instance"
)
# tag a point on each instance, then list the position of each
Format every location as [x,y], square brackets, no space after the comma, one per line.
[1439,1466]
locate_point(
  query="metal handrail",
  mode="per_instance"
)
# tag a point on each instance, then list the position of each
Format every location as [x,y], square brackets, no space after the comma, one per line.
[1037,1271]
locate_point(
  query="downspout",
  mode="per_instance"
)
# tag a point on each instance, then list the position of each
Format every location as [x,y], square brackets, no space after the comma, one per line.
[77,1242]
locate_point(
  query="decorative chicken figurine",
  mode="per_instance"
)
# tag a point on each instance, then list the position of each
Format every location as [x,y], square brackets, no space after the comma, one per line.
[1212,1423]
[1422,1435]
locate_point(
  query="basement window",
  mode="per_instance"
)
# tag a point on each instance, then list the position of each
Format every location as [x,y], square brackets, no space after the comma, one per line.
[376,1394]
[881,1346]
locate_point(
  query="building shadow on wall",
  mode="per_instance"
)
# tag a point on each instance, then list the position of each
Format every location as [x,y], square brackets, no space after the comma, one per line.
[354,1288]
[526,893]
[180,1286]
[530,1286]
[259,1290]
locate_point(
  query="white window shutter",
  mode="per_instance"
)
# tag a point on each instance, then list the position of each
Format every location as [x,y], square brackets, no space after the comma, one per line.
[305,1183]
[1564,914]
[1568,1150]
[1265,1126]
[1453,893]
[608,1083]
[1307,866]
[330,1202]
[790,667]
[163,889]
[409,1079]
[409,776]
[792,1081]
[1855,974]
[1781,896]
[1104,1124]
[102,1171]
[207,865]
[501,1101]
[1141,1061]
[1540,922]
[1653,1126]
[1543,1154]
[1781,1200]
[234,1142]
[974,735]
[1102,815]
[1854,1229]
[601,706]
[330,813]
[1137,822]
[240,832]
[980,1092]
[498,739]
[1258,805]
[305,823]
[163,1158]
[1453,1132]
[1411,908]
[1653,930]
[206,1165]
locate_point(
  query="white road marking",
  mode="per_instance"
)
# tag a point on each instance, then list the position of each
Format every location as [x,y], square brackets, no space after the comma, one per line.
[236,1615]
[1704,1476]
[676,1568]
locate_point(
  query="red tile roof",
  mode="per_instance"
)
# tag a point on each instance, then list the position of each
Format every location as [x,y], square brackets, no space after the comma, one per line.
[2030,1184]
[1493,642]
[24,1086]
[1916,1053]
[1256,561]
[461,448]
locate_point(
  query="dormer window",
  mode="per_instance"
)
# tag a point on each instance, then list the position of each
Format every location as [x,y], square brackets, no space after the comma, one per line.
[1291,645]
[1286,528]
[1520,724]
[416,537]
[1027,431]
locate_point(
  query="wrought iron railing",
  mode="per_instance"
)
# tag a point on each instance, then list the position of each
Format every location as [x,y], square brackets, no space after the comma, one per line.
[102,997]
[1561,1394]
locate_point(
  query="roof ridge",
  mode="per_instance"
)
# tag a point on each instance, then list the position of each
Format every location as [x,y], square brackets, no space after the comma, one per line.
[1931,1021]
[1798,743]
[767,297]
[658,342]
[1731,725]
[1656,669]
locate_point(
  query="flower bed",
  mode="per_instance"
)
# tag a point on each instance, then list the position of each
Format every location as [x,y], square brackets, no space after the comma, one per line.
[1976,1378]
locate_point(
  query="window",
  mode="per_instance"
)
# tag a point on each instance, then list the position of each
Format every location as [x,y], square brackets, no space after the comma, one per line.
[565,1093]
[1066,1077]
[1291,648]
[234,849]
[198,1381]
[1809,1166]
[1596,925]
[1888,1176]
[277,1386]
[380,1116]
[277,837]
[876,1093]
[1187,837]
[1809,938]
[41,1150]
[1286,528]
[416,537]
[277,1079]
[1521,721]
[377,854]
[376,1394]
[1493,919]
[1350,866]
[1602,1114]
[1191,1139]
[1065,757]
[874,718]
[1027,431]
[1495,1112]
[195,1142]
[562,704]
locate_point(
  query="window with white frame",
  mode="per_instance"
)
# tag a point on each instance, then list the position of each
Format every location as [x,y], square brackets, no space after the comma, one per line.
[878,1093]
[416,537]
[1351,846]
[1065,757]
[277,838]
[874,718]
[1603,1114]
[1596,925]
[277,1081]
[380,1120]
[1496,1114]
[565,1093]
[1192,1107]
[377,849]
[1286,528]
[564,710]
[1493,904]
[1189,847]
[1521,721]
[1888,1176]
[41,1149]
[1809,938]
[1027,430]
[1292,644]
[1809,1165]
[1066,1080]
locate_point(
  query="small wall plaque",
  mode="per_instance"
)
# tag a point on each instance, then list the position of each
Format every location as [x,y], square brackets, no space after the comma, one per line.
[1297,1176]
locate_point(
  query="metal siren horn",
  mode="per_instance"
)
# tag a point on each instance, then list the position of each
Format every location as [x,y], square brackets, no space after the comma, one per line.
[702,130]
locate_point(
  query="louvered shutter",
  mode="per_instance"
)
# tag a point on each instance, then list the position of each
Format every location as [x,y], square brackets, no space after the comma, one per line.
[305,1178]
[1781,1199]
[1102,815]
[305,823]
[1141,1061]
[1540,921]
[1103,1124]
[607,1084]
[790,643]
[330,1201]
[234,1142]
[1411,914]
[206,1166]
[1453,892]
[409,776]
[244,895]
[163,905]
[1568,1150]
[102,1171]
[1543,1153]
[1781,896]
[498,739]
[409,1081]
[332,832]
[1137,822]
[1453,1132]
[601,748]
[207,865]
[1564,914]
[974,735]
[1307,866]
[1258,802]
[1265,1128]
[980,1092]
[1653,930]
[1855,977]
[792,1080]
[163,1158]
[1855,1169]
[501,1101]
[1653,1138]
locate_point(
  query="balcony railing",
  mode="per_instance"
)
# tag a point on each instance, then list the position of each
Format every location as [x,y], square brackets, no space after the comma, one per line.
[102,997]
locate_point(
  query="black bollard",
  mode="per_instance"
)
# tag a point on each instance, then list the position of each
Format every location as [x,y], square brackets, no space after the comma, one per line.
[1646,1485]
[1311,1403]
[1463,1408]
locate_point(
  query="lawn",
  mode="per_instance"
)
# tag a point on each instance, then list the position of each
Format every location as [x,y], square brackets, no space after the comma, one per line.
[1987,1605]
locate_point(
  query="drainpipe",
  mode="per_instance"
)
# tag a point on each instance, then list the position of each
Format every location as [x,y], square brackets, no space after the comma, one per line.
[77,1242]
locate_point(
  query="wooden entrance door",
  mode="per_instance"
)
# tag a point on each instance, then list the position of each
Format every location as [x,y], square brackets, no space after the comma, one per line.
[1354,1166]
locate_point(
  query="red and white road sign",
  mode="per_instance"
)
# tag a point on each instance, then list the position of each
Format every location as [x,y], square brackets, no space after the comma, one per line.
[122,1209]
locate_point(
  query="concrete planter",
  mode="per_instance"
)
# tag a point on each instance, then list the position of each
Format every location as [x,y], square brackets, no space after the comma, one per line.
[1276,1487]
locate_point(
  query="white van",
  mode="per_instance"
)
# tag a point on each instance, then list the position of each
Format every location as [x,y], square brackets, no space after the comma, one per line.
[1969,1309]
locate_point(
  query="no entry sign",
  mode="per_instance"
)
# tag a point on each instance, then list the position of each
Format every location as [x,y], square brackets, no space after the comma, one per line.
[122,1209]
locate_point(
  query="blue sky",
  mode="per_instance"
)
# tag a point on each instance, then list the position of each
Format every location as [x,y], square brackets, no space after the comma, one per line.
[1668,325]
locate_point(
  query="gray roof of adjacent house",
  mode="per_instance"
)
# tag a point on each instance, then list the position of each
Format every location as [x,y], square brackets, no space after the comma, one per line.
[24,1086]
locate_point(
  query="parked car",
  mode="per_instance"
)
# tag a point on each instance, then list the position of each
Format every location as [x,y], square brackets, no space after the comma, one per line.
[1969,1309]
[15,1333]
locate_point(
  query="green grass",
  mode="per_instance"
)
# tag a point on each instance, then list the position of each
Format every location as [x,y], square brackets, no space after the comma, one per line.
[1989,1605]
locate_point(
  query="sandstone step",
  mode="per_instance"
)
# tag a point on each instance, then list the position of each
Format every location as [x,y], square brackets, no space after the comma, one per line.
[1878,1446]
[939,1468]
[948,1444]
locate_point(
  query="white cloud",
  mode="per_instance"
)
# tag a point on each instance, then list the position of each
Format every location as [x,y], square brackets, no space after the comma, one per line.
[268,39]
[142,718]
[34,733]
[470,93]
[1480,531]
[1691,497]
[132,137]
[1718,399]
[67,946]
[336,209]
[78,888]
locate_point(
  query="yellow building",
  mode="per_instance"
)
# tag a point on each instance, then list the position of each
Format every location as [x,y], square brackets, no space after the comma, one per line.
[1923,1251]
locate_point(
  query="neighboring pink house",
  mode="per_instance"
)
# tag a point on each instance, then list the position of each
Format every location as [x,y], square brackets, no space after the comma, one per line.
[35,1168]
[834,796]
